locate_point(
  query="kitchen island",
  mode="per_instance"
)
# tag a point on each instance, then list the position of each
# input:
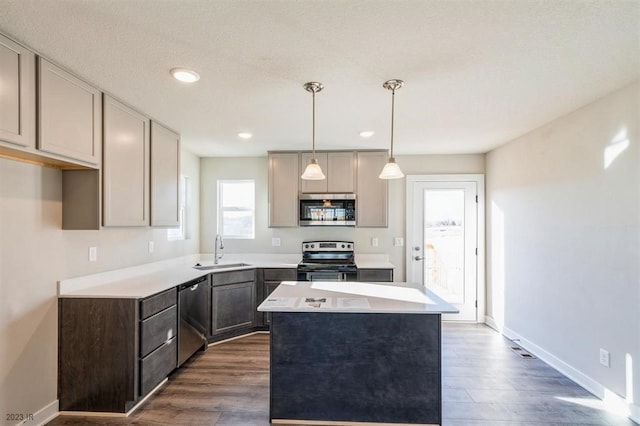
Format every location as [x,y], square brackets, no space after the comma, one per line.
[355,352]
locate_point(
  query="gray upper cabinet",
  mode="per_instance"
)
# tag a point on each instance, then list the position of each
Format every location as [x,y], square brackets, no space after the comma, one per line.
[338,167]
[283,189]
[165,176]
[125,166]
[69,115]
[341,172]
[17,97]
[372,191]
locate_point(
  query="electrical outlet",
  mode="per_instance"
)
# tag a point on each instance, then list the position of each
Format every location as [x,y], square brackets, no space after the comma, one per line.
[604,358]
[374,242]
[93,254]
[275,242]
[398,241]
[152,246]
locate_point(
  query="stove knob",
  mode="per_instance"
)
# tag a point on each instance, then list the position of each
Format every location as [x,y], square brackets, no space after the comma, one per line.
[343,246]
[313,246]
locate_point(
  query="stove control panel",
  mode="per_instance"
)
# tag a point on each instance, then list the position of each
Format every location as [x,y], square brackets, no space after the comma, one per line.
[327,246]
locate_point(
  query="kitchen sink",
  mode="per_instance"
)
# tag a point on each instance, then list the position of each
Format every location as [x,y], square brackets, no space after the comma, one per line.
[220,266]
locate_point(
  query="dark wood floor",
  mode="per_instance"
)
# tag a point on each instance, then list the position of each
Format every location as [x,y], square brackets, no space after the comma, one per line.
[485,383]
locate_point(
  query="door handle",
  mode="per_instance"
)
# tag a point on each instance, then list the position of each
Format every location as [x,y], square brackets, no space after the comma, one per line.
[418,258]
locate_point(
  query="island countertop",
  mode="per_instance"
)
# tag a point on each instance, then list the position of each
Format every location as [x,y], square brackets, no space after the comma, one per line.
[354,297]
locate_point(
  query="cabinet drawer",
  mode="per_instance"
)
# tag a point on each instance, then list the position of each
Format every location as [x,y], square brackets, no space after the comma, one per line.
[288,274]
[222,278]
[158,302]
[375,275]
[156,330]
[157,365]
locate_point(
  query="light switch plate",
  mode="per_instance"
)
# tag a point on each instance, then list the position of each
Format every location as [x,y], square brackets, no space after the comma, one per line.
[398,241]
[152,246]
[93,254]
[275,242]
[374,242]
[604,358]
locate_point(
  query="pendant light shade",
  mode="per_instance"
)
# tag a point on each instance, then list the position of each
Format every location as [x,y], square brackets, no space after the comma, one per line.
[391,170]
[313,170]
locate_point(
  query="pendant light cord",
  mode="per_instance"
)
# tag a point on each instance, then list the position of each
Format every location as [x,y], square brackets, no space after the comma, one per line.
[313,126]
[393,97]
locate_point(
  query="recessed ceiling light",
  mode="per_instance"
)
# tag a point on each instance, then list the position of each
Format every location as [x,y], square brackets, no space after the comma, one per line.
[245,135]
[185,75]
[367,134]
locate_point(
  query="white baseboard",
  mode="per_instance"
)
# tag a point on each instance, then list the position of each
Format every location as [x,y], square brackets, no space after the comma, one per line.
[634,413]
[574,374]
[43,415]
[492,323]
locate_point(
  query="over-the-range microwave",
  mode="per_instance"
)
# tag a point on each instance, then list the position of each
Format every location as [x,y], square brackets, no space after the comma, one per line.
[327,210]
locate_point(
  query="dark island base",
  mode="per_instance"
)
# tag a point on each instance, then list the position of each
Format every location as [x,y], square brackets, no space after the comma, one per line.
[377,368]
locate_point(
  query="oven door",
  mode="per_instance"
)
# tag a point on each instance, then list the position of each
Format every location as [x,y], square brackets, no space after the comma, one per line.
[326,276]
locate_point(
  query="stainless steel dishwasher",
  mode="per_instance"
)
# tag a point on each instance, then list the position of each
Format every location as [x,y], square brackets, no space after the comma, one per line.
[194,310]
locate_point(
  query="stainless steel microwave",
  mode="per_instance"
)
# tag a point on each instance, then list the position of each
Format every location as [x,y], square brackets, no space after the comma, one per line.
[327,210]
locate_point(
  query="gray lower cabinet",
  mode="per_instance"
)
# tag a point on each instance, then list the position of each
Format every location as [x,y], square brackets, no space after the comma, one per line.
[233,300]
[112,352]
[269,279]
[375,275]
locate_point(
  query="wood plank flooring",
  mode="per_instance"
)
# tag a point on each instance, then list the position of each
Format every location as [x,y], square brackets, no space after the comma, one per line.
[485,383]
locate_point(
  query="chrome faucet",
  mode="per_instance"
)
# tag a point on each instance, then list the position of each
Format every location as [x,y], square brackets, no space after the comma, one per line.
[218,244]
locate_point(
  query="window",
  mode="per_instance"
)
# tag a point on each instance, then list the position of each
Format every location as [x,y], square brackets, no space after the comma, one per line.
[236,209]
[183,231]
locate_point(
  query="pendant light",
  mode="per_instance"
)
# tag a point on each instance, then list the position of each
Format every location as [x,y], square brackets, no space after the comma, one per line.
[313,170]
[391,170]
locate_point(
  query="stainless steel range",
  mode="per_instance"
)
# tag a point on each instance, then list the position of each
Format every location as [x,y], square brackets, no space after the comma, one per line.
[327,261]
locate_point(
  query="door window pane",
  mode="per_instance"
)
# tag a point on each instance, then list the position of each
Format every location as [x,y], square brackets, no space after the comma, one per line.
[444,243]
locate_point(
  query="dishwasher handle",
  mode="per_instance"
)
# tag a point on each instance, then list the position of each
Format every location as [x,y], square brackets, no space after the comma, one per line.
[192,285]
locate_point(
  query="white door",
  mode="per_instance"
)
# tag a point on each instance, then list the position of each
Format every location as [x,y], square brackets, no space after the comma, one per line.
[442,241]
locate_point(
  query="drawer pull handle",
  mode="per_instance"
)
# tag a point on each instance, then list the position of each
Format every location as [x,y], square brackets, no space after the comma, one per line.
[194,287]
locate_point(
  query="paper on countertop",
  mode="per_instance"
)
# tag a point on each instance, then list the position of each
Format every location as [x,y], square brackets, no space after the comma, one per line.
[315,302]
[280,302]
[353,303]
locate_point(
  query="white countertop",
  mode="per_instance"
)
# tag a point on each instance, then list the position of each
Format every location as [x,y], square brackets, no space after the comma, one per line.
[146,280]
[354,297]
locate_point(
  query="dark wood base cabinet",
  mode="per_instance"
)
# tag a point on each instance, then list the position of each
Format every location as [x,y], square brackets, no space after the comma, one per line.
[112,352]
[233,303]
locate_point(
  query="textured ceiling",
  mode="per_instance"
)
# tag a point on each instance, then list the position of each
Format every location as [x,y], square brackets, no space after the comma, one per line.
[477,73]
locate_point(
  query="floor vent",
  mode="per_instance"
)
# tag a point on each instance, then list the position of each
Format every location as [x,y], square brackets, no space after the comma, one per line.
[523,353]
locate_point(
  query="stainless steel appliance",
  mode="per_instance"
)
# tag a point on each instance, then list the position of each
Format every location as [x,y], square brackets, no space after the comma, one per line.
[327,210]
[194,311]
[327,261]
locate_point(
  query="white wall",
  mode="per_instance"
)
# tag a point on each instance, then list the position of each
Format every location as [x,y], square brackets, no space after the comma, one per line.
[34,254]
[213,169]
[563,239]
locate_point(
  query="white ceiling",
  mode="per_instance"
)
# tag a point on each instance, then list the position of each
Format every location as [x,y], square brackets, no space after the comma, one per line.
[477,73]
